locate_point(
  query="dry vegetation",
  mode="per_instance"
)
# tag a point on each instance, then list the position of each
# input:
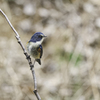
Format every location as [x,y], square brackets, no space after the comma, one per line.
[70,67]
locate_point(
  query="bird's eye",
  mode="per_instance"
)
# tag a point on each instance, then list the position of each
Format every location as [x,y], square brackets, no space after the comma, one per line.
[40,36]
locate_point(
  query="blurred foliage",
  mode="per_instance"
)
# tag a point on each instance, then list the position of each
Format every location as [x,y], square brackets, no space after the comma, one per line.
[71,57]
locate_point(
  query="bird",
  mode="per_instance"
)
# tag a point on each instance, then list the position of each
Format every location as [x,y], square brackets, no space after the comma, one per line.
[34,46]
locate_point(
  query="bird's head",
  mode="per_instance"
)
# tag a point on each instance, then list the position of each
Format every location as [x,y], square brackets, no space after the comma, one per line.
[37,37]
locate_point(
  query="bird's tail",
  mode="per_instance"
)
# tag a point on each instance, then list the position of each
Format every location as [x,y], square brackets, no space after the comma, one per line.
[38,60]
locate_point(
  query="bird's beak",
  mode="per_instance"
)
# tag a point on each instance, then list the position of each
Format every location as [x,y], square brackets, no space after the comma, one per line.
[44,36]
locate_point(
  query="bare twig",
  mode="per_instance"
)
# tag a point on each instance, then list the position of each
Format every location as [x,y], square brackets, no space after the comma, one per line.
[26,54]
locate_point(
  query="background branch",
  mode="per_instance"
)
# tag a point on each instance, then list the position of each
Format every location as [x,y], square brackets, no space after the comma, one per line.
[26,54]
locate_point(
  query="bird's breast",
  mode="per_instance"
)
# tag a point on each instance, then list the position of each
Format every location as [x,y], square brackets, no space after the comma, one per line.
[32,49]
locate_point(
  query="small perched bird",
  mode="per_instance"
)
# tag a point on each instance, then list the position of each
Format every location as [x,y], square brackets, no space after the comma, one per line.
[34,46]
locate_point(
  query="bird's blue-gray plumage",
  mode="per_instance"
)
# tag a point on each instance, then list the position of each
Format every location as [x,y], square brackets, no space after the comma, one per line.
[37,37]
[34,46]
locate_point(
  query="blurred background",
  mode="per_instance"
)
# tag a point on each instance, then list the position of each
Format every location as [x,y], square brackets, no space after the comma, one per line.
[70,67]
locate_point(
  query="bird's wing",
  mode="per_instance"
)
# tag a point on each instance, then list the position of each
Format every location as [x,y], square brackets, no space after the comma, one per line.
[40,50]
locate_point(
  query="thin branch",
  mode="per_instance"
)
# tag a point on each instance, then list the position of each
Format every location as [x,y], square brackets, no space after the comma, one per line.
[26,54]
